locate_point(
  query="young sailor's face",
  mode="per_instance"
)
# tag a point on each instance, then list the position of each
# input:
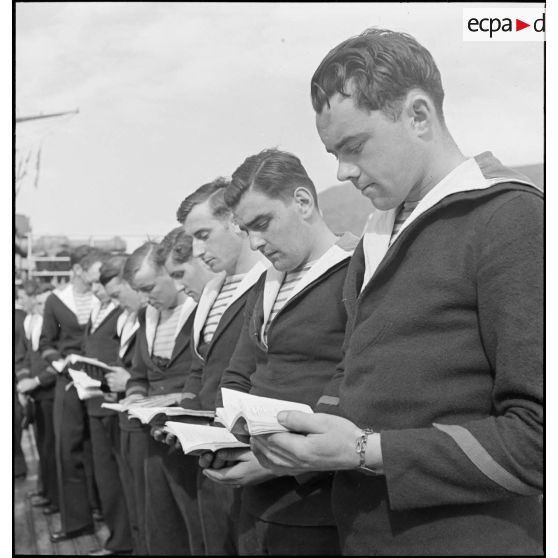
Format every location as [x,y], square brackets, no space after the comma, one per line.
[121,292]
[100,292]
[378,155]
[213,239]
[92,274]
[40,303]
[275,228]
[190,276]
[157,286]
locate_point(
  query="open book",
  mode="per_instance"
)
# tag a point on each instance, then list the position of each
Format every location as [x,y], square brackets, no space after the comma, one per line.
[147,414]
[73,359]
[86,386]
[244,414]
[195,438]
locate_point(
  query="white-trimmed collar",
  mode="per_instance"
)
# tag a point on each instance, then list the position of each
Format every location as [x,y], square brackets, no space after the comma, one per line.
[152,320]
[211,292]
[96,308]
[66,295]
[126,327]
[33,324]
[274,279]
[377,239]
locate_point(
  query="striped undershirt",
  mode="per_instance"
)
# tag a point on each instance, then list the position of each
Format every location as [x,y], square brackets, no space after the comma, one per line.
[83,303]
[101,315]
[288,284]
[404,211]
[221,303]
[163,343]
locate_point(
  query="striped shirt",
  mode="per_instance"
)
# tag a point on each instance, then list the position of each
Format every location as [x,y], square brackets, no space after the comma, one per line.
[163,343]
[221,303]
[404,211]
[83,302]
[289,282]
[104,311]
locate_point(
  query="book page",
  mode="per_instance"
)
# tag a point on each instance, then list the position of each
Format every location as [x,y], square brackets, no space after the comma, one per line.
[197,437]
[260,412]
[114,407]
[79,358]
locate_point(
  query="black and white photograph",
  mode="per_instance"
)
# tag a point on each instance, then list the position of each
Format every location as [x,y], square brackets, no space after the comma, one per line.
[278,278]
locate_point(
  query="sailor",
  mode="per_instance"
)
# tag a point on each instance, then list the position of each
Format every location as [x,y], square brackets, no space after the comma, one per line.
[217,241]
[161,362]
[36,379]
[439,446]
[65,318]
[288,349]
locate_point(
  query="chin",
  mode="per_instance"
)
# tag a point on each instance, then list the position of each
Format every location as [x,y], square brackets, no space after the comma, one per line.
[383,204]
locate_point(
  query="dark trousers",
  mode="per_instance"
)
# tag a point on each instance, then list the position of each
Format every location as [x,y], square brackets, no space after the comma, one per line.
[173,525]
[262,538]
[73,458]
[105,443]
[20,467]
[45,446]
[219,508]
[133,449]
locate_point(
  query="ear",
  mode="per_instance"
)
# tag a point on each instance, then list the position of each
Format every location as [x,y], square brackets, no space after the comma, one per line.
[304,201]
[77,269]
[420,112]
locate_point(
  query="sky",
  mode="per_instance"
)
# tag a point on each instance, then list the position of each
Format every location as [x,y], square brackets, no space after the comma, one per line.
[172,95]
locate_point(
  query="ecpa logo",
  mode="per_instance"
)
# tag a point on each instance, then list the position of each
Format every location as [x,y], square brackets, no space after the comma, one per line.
[503,24]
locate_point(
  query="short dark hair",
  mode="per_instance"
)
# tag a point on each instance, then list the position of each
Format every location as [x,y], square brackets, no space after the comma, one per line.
[275,173]
[94,255]
[382,66]
[176,244]
[212,191]
[78,253]
[111,268]
[32,287]
[135,260]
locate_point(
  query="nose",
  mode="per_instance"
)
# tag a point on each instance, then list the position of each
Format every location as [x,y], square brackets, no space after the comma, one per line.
[198,249]
[256,241]
[347,171]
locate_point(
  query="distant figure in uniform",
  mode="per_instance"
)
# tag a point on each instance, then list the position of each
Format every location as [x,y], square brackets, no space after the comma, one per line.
[102,342]
[438,447]
[36,380]
[160,365]
[65,317]
[132,441]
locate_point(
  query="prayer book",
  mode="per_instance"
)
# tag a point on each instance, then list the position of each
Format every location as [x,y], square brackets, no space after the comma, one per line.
[147,414]
[73,359]
[245,415]
[86,386]
[197,439]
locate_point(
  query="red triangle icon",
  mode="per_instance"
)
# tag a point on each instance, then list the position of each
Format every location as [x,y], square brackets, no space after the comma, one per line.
[519,25]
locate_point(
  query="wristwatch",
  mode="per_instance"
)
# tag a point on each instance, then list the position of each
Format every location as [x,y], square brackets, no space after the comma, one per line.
[361,443]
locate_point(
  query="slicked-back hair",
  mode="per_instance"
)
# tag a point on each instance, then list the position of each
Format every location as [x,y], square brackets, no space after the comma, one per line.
[379,67]
[212,191]
[135,260]
[94,255]
[273,172]
[176,244]
[113,267]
